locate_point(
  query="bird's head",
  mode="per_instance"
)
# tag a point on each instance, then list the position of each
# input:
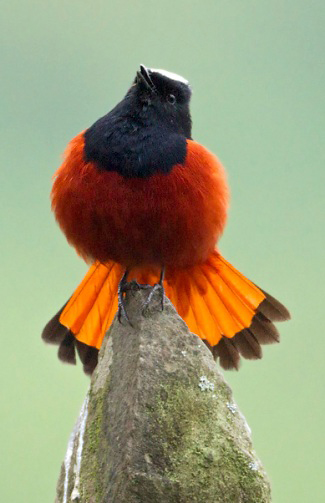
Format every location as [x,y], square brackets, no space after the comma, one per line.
[163,97]
[147,131]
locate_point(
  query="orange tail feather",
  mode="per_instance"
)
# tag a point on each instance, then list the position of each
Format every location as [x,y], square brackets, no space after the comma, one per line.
[231,314]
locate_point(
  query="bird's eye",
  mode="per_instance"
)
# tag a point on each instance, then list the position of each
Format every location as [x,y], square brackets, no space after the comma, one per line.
[171,99]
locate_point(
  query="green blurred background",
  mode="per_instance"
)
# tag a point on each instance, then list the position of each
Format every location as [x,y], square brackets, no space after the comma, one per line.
[257,71]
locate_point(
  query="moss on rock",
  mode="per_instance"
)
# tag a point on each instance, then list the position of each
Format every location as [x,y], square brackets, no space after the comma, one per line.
[209,459]
[90,482]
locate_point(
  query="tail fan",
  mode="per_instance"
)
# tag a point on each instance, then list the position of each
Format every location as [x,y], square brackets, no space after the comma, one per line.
[88,314]
[232,315]
[56,333]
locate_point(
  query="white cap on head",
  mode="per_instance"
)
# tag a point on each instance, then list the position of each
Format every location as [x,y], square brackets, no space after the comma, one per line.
[170,75]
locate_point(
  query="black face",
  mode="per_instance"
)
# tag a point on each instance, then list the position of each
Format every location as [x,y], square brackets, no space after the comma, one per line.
[167,97]
[146,132]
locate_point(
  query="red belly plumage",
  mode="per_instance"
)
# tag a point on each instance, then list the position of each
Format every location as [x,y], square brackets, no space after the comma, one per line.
[172,219]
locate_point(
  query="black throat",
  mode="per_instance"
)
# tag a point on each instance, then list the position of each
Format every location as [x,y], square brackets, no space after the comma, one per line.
[141,136]
[132,145]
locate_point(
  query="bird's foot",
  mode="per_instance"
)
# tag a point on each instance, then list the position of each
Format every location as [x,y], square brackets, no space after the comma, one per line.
[158,287]
[155,288]
[124,287]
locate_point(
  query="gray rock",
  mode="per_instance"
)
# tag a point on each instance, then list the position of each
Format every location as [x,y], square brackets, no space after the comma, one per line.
[159,423]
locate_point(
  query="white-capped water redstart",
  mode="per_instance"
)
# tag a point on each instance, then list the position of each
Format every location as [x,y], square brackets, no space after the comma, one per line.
[135,196]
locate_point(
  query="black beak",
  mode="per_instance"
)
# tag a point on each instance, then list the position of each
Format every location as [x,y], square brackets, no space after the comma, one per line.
[143,77]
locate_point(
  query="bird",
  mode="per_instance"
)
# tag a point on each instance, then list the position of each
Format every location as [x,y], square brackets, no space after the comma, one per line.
[139,199]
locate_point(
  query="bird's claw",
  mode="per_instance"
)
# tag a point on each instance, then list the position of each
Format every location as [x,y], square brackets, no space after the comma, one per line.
[125,286]
[157,287]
